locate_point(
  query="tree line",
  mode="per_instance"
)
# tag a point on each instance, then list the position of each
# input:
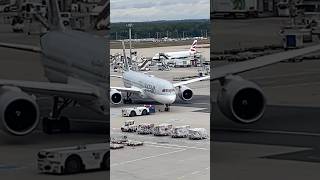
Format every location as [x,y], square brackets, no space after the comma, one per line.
[161,29]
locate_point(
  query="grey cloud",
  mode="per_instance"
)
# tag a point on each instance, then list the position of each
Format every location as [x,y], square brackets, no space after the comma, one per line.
[148,10]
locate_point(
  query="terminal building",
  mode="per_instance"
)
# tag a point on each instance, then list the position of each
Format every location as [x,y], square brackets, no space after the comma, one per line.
[259,8]
[76,14]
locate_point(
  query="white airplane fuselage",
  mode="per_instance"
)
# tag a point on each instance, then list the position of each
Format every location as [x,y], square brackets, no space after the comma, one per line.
[179,54]
[152,87]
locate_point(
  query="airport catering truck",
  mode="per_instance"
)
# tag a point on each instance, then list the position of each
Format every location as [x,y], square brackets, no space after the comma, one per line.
[74,159]
[234,8]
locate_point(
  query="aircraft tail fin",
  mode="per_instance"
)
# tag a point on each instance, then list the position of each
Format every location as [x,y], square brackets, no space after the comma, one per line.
[54,17]
[193,47]
[126,65]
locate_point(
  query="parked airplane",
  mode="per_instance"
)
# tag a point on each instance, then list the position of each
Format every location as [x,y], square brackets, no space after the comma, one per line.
[149,86]
[179,54]
[76,77]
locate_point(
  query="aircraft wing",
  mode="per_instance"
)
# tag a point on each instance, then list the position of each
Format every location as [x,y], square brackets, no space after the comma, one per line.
[116,76]
[21,47]
[220,72]
[54,89]
[124,89]
[190,81]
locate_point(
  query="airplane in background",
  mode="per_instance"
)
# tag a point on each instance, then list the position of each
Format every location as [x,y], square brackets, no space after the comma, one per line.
[75,65]
[149,86]
[179,54]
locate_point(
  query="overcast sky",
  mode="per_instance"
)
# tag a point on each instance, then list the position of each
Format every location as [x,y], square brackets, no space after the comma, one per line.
[152,10]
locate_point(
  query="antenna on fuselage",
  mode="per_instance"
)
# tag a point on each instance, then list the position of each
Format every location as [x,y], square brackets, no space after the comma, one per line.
[126,66]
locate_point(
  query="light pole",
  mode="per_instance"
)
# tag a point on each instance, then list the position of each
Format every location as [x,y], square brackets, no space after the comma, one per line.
[130,26]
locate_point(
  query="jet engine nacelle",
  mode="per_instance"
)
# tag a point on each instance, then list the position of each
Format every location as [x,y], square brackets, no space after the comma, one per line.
[19,112]
[241,100]
[115,96]
[185,93]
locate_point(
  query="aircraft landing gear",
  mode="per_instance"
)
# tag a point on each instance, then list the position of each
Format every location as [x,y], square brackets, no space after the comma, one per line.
[167,107]
[127,100]
[56,122]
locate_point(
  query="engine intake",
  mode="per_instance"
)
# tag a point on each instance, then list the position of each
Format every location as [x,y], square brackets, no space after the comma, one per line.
[241,100]
[19,113]
[115,96]
[185,93]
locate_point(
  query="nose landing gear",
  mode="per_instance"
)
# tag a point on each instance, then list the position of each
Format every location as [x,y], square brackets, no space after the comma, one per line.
[167,107]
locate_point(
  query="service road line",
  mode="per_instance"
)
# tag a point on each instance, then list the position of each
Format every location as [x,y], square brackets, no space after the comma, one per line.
[269,131]
[146,158]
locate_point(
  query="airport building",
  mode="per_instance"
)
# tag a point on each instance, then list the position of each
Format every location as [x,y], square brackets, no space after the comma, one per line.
[258,8]
[82,14]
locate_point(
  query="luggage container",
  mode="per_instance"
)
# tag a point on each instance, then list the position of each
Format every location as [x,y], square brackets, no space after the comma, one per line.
[134,143]
[180,131]
[119,140]
[198,133]
[162,130]
[145,128]
[116,146]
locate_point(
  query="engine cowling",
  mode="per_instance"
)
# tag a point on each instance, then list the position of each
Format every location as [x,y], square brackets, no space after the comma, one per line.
[115,96]
[19,112]
[241,100]
[185,93]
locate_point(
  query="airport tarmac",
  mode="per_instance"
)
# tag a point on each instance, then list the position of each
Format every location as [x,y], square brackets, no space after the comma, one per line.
[284,143]
[18,157]
[203,49]
[164,157]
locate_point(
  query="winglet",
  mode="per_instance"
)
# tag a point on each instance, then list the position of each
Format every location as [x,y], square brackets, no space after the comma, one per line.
[54,17]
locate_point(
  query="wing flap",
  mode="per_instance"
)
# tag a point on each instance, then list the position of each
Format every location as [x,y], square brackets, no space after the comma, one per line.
[116,76]
[54,89]
[124,89]
[190,81]
[22,47]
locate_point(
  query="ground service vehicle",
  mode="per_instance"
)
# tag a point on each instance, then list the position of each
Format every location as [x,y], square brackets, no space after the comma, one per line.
[75,159]
[129,126]
[135,111]
[162,130]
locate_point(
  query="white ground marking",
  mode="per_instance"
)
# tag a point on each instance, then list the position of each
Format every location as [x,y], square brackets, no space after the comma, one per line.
[146,158]
[271,131]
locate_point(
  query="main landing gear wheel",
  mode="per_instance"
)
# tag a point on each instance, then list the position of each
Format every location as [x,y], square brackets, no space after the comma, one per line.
[56,122]
[50,126]
[167,108]
[127,100]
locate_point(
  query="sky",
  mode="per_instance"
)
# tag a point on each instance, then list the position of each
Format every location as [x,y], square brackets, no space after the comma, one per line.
[153,10]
